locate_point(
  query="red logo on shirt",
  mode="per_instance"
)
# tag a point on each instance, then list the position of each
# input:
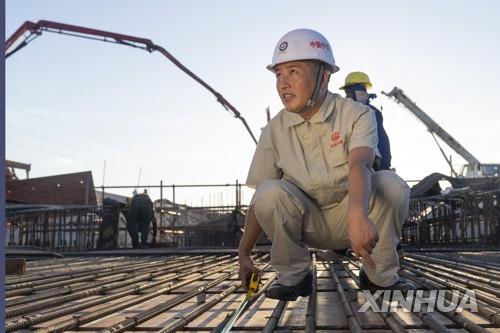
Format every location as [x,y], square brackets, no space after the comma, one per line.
[336,140]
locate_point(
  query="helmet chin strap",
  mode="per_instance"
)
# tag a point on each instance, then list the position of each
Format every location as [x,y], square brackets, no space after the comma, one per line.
[312,100]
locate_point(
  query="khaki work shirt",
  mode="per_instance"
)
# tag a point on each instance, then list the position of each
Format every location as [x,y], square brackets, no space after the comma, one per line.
[313,154]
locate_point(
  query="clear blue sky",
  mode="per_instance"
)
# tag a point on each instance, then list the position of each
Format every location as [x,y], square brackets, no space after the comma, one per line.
[73,103]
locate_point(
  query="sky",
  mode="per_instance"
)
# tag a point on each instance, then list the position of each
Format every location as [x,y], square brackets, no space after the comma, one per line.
[133,117]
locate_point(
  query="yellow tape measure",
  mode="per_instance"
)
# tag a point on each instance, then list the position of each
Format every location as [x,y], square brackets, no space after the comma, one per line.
[253,286]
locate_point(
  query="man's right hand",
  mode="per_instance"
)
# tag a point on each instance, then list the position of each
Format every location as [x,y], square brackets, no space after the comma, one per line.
[363,236]
[247,267]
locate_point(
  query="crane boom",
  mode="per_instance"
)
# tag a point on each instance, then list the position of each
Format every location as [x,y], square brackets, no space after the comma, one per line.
[35,29]
[432,126]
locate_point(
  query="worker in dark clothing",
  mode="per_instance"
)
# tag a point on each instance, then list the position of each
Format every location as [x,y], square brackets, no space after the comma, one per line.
[356,86]
[140,215]
[155,230]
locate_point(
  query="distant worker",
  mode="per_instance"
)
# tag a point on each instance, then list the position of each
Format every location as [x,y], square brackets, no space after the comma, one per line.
[356,86]
[155,229]
[140,216]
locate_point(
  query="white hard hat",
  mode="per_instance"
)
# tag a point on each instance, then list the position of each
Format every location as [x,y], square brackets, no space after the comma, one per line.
[303,44]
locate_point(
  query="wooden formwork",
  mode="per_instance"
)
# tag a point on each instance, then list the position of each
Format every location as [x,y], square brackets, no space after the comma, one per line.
[197,293]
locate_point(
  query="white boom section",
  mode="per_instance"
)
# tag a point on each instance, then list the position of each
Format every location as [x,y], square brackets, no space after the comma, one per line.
[432,126]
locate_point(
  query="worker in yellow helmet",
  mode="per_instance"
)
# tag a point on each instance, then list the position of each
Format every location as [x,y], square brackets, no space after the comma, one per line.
[355,87]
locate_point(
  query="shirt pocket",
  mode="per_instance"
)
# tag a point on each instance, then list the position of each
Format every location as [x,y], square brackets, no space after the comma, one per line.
[337,156]
[331,187]
[338,169]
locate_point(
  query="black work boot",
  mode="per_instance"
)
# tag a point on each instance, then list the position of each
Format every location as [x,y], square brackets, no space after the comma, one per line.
[366,284]
[290,293]
[401,252]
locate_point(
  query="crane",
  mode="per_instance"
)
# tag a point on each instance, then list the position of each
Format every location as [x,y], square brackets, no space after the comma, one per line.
[473,168]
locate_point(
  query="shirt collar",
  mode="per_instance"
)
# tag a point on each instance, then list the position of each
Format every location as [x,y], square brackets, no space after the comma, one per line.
[326,109]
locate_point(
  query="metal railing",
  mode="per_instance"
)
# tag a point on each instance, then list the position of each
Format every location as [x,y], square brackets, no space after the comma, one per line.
[180,224]
[469,220]
[82,228]
[55,228]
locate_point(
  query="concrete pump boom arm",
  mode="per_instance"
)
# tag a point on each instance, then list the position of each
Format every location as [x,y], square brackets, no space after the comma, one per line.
[36,29]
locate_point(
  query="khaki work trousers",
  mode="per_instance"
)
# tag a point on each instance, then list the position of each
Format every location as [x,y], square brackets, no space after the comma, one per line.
[292,221]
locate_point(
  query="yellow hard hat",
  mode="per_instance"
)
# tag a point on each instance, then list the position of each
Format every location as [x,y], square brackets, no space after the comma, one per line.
[357,78]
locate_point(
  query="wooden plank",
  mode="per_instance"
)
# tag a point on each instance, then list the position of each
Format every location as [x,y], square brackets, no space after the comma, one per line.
[137,309]
[330,311]
[82,312]
[218,313]
[15,266]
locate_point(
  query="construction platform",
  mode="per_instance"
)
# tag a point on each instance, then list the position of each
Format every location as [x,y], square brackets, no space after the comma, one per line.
[196,291]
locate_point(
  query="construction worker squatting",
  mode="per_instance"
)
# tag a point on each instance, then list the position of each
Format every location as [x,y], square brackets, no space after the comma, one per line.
[315,185]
